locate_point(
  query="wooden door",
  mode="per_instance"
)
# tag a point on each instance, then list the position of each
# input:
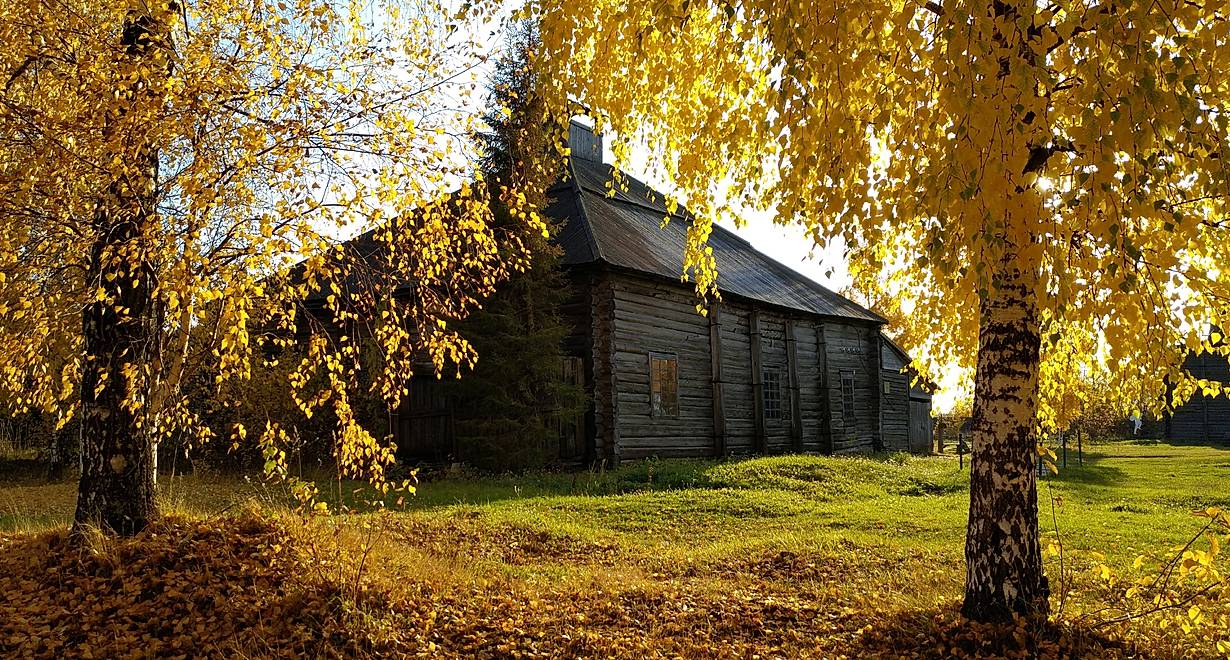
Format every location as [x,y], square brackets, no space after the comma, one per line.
[424,423]
[572,424]
[920,426]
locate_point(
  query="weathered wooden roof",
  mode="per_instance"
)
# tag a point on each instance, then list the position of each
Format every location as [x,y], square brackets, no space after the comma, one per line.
[924,388]
[624,230]
[895,348]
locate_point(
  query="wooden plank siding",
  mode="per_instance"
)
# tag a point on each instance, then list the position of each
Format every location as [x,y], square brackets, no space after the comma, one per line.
[773,355]
[825,432]
[894,401]
[895,414]
[715,370]
[721,360]
[852,348]
[755,339]
[809,367]
[736,379]
[605,377]
[792,366]
[656,318]
[1203,418]
[921,440]
[741,381]
[578,313]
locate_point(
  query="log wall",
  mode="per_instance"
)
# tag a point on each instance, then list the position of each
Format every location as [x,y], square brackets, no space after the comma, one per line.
[660,319]
[722,358]
[853,349]
[894,400]
[1203,418]
[737,378]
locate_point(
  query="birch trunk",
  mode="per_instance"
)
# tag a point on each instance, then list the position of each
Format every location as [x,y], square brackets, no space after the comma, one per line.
[1002,550]
[116,491]
[120,328]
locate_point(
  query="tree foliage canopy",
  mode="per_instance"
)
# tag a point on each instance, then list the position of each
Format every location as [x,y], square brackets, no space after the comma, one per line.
[166,166]
[1053,171]
[910,131]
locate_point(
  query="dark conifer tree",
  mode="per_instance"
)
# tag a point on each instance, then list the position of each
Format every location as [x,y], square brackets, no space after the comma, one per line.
[509,409]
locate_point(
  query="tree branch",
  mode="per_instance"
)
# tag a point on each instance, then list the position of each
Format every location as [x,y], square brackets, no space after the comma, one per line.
[1038,156]
[20,70]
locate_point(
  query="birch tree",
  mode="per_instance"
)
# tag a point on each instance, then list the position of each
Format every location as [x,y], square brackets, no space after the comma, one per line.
[165,167]
[1024,187]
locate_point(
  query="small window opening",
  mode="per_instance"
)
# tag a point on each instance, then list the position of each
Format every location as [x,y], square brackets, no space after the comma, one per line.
[664,385]
[847,397]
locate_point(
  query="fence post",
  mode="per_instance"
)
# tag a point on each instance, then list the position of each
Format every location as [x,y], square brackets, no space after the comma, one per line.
[1064,441]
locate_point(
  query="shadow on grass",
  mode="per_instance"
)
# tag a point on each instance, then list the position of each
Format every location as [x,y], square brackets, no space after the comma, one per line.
[805,474]
[1092,472]
[448,488]
[22,471]
[1185,443]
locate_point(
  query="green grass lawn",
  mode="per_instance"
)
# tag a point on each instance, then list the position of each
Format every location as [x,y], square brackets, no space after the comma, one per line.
[1123,499]
[835,530]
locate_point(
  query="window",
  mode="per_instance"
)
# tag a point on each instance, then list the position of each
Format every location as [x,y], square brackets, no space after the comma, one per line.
[571,421]
[663,385]
[775,406]
[847,397]
[570,370]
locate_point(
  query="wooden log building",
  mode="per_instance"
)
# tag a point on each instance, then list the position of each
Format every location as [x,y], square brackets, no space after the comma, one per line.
[781,364]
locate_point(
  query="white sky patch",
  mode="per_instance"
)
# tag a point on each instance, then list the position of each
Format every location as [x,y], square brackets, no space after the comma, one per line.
[788,244]
[955,386]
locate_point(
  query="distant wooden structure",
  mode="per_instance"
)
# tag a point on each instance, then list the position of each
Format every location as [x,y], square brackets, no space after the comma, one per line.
[1203,418]
[907,420]
[781,364]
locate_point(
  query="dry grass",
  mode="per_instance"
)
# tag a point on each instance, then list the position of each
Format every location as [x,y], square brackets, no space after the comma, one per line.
[271,586]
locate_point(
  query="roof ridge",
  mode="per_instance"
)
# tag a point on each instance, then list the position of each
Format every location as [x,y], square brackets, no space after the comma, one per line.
[731,234]
[685,215]
[633,202]
[585,222]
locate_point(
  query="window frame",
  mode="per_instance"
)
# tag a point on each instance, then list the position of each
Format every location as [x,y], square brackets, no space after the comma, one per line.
[849,414]
[658,411]
[776,406]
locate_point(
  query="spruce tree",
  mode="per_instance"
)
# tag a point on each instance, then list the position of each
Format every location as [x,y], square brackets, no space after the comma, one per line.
[510,407]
